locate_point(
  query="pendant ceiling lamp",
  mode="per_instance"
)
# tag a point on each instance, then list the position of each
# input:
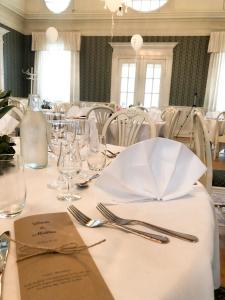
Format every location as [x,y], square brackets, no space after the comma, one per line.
[57,6]
[52,34]
[136,42]
[116,6]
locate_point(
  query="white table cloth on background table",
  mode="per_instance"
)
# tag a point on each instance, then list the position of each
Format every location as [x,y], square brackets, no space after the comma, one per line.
[135,268]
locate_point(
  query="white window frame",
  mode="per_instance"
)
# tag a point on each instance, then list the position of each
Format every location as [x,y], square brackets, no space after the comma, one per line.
[152,52]
[2,32]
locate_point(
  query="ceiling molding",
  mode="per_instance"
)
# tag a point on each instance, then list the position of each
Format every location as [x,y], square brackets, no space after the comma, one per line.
[129,16]
[11,19]
[9,4]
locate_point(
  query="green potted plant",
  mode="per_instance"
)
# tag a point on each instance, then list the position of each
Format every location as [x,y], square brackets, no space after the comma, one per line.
[6,146]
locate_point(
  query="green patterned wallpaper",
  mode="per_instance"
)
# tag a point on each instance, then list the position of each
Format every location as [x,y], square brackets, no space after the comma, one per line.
[17,57]
[189,74]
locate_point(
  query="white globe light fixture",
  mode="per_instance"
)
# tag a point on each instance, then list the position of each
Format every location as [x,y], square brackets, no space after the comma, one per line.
[52,34]
[57,6]
[113,5]
[136,42]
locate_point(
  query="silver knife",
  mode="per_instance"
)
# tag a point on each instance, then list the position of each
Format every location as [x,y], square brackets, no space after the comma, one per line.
[4,250]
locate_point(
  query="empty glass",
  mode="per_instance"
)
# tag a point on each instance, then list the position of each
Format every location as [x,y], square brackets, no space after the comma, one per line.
[12,185]
[82,136]
[96,158]
[60,132]
[69,165]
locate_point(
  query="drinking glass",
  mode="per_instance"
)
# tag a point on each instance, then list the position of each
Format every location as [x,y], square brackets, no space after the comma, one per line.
[60,132]
[96,158]
[12,185]
[82,136]
[69,165]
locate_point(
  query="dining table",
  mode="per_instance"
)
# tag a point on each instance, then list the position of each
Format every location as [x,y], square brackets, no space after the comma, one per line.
[133,268]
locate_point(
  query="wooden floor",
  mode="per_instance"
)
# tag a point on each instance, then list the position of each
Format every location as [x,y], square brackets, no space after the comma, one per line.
[219,164]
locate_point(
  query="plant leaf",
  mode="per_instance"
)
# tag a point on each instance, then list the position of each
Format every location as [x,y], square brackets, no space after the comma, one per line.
[4,94]
[4,110]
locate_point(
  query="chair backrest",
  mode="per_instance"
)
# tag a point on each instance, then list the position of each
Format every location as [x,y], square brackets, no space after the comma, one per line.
[128,124]
[19,103]
[202,148]
[221,123]
[170,116]
[102,114]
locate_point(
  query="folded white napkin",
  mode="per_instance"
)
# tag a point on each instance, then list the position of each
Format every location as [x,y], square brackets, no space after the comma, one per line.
[158,168]
[7,124]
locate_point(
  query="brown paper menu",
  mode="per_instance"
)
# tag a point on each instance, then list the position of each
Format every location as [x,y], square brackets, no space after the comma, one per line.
[55,276]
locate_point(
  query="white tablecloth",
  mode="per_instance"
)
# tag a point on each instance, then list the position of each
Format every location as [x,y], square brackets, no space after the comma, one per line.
[135,268]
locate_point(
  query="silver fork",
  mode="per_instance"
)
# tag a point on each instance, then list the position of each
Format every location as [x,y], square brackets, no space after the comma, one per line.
[93,223]
[121,221]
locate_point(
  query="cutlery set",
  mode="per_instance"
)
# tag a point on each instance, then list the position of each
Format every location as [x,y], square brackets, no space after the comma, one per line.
[120,223]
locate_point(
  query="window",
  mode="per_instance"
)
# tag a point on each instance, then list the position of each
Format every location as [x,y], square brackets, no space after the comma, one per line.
[143,79]
[54,75]
[128,71]
[215,93]
[57,67]
[146,5]
[152,85]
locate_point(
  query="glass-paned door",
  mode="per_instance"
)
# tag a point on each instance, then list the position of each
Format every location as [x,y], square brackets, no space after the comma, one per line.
[152,84]
[141,82]
[127,83]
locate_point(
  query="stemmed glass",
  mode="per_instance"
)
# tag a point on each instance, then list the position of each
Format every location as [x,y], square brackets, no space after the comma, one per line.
[69,165]
[82,136]
[60,132]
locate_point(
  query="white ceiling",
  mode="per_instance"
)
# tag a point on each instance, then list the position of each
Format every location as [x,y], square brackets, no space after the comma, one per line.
[187,17]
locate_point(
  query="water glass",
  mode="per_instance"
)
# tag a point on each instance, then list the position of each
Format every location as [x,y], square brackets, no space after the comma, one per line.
[12,185]
[96,158]
[69,165]
[82,136]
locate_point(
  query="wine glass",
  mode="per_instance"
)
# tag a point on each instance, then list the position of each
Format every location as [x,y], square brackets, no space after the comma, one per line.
[60,132]
[69,165]
[82,136]
[96,158]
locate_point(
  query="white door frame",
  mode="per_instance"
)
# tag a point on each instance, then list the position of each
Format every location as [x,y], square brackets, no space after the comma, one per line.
[149,51]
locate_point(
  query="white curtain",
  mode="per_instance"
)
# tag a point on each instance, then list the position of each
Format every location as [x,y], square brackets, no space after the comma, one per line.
[57,67]
[215,92]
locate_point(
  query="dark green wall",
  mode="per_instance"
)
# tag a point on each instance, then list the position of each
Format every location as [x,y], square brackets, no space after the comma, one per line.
[17,57]
[189,74]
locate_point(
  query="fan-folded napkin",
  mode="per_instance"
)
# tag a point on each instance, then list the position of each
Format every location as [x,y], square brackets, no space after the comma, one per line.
[157,168]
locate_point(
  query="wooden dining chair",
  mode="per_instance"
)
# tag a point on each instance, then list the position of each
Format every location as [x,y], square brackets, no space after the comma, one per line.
[128,123]
[220,134]
[202,148]
[102,114]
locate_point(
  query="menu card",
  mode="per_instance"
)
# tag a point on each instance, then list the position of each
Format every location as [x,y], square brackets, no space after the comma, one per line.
[56,276]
